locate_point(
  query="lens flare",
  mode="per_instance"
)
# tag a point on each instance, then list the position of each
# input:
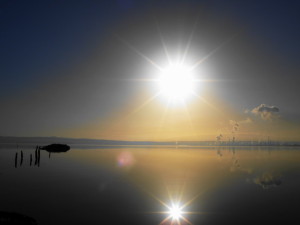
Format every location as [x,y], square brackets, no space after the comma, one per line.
[125,159]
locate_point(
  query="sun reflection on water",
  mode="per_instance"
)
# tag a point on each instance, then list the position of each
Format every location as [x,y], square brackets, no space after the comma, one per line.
[175,214]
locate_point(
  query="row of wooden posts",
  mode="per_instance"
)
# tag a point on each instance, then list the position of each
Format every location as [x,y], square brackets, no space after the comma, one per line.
[37,158]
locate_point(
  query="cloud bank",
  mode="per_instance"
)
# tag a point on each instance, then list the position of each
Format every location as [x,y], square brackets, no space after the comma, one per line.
[266,112]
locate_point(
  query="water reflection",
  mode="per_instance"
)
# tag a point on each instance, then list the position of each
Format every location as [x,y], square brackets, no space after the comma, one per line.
[176,215]
[16,160]
[125,159]
[268,180]
[154,185]
[12,218]
[21,159]
[21,162]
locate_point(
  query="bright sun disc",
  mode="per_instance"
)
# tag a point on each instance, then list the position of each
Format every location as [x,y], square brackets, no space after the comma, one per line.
[176,83]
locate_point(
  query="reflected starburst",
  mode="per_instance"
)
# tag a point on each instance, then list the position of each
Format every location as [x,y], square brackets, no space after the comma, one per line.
[175,215]
[175,204]
[175,210]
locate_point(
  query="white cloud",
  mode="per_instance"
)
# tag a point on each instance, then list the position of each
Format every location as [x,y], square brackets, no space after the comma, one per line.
[265,112]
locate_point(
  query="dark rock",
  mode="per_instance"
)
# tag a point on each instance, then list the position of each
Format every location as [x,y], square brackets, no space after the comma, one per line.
[56,148]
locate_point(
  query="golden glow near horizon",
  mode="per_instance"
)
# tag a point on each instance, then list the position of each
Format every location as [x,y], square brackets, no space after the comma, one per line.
[171,108]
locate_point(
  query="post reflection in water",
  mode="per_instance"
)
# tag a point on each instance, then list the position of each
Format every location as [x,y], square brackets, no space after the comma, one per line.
[22,156]
[37,158]
[16,160]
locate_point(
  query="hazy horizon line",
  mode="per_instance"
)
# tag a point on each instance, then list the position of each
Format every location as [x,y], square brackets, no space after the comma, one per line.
[28,139]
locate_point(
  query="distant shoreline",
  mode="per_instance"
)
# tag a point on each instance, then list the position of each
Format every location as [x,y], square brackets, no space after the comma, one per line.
[98,143]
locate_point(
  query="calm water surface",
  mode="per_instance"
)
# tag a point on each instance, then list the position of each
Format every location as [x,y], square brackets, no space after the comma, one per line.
[137,185]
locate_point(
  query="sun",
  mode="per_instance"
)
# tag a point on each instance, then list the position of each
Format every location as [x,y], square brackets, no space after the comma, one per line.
[176,83]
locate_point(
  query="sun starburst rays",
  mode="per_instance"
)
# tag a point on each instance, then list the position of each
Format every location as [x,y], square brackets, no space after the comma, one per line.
[188,44]
[163,42]
[149,60]
[177,81]
[175,211]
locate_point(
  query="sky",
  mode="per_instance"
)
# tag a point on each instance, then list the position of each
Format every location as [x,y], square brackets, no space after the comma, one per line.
[89,69]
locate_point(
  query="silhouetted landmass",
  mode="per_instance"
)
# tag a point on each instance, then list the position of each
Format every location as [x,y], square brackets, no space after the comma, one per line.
[10,218]
[56,148]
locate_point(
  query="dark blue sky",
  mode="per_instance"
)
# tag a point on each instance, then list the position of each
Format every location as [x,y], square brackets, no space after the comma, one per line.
[39,36]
